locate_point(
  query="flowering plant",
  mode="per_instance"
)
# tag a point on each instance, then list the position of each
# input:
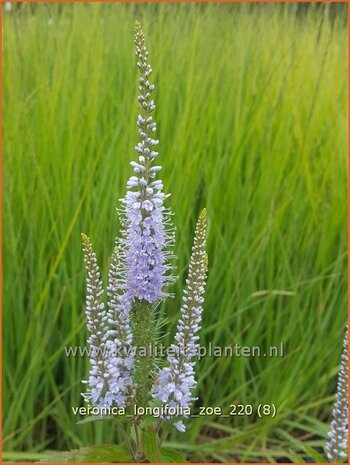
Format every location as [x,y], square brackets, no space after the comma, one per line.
[140,271]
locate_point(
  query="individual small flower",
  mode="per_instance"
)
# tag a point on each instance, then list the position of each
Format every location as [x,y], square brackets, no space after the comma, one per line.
[147,233]
[106,383]
[337,445]
[175,382]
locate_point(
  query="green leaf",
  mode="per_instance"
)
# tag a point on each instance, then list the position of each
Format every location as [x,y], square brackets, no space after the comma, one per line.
[150,445]
[314,454]
[149,421]
[93,454]
[91,418]
[171,456]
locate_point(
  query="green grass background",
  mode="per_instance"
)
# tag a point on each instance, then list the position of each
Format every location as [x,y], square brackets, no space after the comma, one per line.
[252,113]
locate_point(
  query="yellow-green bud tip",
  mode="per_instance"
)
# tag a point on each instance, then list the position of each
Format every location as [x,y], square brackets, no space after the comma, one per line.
[137,26]
[202,219]
[86,240]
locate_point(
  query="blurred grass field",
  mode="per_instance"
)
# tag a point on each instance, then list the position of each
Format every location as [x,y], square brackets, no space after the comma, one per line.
[252,116]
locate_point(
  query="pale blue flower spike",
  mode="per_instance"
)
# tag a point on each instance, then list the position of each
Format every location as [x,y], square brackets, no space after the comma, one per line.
[108,382]
[147,232]
[337,444]
[176,381]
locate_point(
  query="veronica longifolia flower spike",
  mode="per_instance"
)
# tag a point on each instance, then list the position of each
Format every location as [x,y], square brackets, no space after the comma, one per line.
[337,445]
[118,315]
[176,382]
[147,233]
[101,390]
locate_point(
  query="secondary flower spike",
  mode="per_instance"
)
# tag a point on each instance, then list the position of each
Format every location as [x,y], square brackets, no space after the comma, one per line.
[118,316]
[147,232]
[102,388]
[176,381]
[337,445]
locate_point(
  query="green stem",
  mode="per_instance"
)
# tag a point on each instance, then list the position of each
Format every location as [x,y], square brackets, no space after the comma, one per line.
[127,442]
[139,451]
[142,327]
[165,432]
